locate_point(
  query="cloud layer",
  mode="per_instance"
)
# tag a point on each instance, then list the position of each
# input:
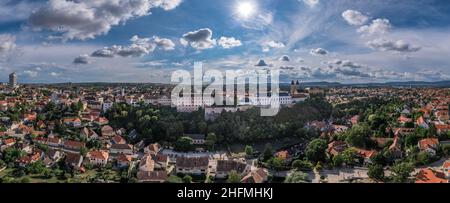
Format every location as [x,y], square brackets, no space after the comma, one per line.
[86,19]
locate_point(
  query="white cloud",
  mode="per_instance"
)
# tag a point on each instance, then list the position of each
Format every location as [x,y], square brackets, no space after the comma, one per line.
[389,45]
[354,17]
[311,3]
[31,73]
[164,44]
[377,27]
[266,46]
[55,74]
[199,39]
[7,44]
[139,47]
[86,19]
[229,42]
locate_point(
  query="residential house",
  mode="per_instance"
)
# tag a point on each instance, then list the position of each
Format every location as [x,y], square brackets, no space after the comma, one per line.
[98,158]
[354,120]
[366,154]
[9,142]
[107,131]
[101,121]
[33,157]
[336,147]
[283,155]
[52,156]
[192,165]
[147,164]
[430,176]
[107,105]
[161,161]
[256,176]
[73,122]
[396,148]
[339,128]
[89,134]
[422,123]
[121,149]
[152,176]
[73,146]
[429,145]
[123,161]
[74,160]
[403,120]
[118,140]
[152,149]
[224,167]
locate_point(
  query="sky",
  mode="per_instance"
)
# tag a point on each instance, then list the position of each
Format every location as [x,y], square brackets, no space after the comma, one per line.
[347,41]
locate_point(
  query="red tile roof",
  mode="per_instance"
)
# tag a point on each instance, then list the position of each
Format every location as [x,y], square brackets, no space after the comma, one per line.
[428,143]
[430,176]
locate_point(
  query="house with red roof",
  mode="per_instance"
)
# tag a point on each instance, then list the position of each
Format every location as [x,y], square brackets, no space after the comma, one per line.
[73,122]
[101,121]
[366,154]
[429,145]
[98,158]
[430,176]
[403,119]
[422,123]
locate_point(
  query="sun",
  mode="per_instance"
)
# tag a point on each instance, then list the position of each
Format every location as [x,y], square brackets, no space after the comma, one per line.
[246,9]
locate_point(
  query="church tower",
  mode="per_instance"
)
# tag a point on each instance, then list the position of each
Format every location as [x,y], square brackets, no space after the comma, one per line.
[294,87]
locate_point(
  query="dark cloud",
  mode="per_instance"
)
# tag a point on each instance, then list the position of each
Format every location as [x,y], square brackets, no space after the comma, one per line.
[319,52]
[261,63]
[199,39]
[82,59]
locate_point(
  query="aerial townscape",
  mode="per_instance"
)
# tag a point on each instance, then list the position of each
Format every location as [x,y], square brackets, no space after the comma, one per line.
[133,133]
[236,91]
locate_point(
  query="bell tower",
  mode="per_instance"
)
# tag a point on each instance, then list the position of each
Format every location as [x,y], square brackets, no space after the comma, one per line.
[294,87]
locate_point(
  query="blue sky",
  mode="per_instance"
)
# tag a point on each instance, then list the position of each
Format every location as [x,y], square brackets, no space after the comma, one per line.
[349,41]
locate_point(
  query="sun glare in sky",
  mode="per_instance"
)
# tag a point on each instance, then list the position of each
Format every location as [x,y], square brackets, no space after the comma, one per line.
[246,9]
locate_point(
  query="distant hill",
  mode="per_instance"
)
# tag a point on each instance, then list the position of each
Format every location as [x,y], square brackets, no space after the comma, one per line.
[387,84]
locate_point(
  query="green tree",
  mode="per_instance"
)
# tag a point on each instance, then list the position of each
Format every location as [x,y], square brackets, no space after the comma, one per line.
[349,156]
[338,160]
[83,151]
[268,153]
[35,168]
[297,177]
[184,144]
[25,180]
[211,140]
[276,163]
[303,165]
[249,150]
[11,154]
[401,172]
[376,172]
[234,177]
[315,151]
[187,179]
[423,158]
[174,179]
[358,135]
